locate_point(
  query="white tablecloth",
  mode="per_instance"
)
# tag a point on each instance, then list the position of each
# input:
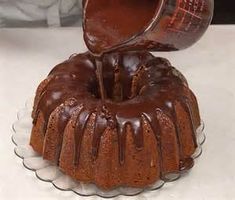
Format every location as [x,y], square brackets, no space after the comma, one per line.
[27,55]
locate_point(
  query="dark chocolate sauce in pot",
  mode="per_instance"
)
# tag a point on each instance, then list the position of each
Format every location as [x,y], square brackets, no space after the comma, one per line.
[154,25]
[110,23]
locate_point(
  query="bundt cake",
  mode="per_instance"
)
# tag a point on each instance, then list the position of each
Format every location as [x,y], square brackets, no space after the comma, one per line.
[143,132]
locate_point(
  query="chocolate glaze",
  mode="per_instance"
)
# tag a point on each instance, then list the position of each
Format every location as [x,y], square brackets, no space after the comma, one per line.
[138,86]
[81,123]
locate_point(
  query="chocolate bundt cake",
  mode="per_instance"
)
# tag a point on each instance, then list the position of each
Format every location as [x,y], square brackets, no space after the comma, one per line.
[143,132]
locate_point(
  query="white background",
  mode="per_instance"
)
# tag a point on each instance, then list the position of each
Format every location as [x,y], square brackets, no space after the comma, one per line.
[27,55]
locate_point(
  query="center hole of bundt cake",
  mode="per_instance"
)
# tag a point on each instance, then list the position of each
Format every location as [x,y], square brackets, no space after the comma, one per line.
[118,86]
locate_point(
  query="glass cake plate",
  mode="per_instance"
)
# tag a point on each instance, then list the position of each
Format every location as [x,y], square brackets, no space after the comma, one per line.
[47,171]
